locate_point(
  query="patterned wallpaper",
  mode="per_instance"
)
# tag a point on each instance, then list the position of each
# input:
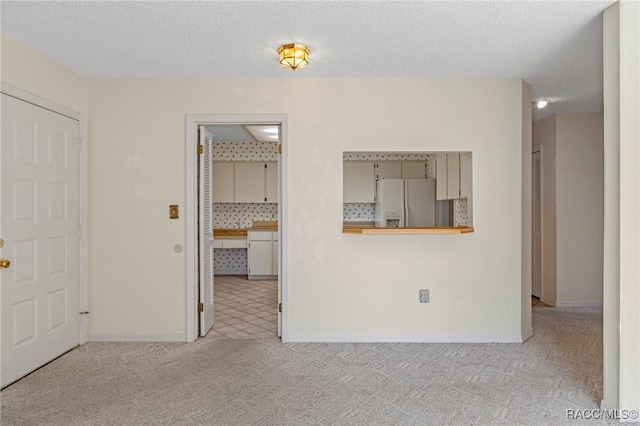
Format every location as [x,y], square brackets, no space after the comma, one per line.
[393,156]
[359,212]
[384,156]
[461,212]
[230,262]
[245,151]
[242,215]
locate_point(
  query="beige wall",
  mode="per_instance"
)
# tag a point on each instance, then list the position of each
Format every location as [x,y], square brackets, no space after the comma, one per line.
[622,204]
[341,286]
[31,71]
[579,208]
[573,182]
[544,134]
[525,155]
[629,205]
[611,246]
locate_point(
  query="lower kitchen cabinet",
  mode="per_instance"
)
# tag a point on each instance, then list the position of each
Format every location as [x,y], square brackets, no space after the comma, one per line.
[262,254]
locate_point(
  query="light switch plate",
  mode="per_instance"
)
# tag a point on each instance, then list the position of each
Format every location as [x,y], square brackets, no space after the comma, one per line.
[174,212]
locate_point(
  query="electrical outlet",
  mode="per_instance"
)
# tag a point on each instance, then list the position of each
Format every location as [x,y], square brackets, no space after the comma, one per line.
[424,295]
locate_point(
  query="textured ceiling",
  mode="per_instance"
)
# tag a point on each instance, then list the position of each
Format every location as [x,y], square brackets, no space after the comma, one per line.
[556,46]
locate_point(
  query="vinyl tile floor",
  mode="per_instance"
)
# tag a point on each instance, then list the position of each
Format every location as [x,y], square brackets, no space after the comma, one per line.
[244,309]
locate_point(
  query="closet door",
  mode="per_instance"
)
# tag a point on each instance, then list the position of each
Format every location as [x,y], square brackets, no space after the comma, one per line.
[205,234]
[39,225]
[536,223]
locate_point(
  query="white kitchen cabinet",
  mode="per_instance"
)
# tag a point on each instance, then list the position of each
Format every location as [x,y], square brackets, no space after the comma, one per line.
[453,176]
[441,177]
[222,182]
[272,182]
[229,243]
[262,254]
[388,170]
[260,258]
[448,175]
[274,257]
[465,175]
[358,182]
[414,170]
[249,182]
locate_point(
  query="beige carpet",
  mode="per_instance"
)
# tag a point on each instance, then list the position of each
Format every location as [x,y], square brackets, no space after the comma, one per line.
[263,382]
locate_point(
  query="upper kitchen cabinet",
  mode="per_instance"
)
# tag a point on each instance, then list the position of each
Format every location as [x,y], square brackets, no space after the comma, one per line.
[223,182]
[358,182]
[441,177]
[388,170]
[272,183]
[453,176]
[414,170]
[249,182]
[465,175]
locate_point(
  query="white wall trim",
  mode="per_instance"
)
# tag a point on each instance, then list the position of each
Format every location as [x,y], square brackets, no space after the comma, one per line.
[83,198]
[191,210]
[15,92]
[138,338]
[480,338]
[578,304]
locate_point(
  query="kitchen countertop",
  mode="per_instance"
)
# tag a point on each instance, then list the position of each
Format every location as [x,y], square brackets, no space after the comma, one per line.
[425,230]
[259,225]
[241,233]
[229,233]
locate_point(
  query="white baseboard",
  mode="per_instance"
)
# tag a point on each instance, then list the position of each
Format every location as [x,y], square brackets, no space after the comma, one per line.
[604,405]
[406,339]
[578,304]
[138,338]
[229,272]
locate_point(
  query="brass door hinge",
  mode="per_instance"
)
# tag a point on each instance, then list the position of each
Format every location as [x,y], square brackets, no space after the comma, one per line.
[200,307]
[280,149]
[279,307]
[200,149]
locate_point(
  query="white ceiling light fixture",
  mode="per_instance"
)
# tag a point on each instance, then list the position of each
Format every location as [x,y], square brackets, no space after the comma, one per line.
[542,103]
[294,56]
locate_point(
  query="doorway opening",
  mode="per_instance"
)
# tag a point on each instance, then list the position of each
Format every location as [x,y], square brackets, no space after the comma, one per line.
[236,226]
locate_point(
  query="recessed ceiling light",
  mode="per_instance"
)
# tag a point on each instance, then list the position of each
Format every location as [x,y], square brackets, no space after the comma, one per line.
[541,104]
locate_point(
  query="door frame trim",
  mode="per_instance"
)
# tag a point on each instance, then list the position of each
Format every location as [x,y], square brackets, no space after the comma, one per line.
[83,261]
[192,122]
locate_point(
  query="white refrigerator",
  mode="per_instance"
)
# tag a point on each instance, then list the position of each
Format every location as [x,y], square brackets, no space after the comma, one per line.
[405,202]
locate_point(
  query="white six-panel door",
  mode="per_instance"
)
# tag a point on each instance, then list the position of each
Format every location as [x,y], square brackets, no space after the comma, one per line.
[205,234]
[39,223]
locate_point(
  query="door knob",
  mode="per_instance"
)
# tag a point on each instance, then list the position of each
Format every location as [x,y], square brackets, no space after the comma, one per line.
[4,264]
